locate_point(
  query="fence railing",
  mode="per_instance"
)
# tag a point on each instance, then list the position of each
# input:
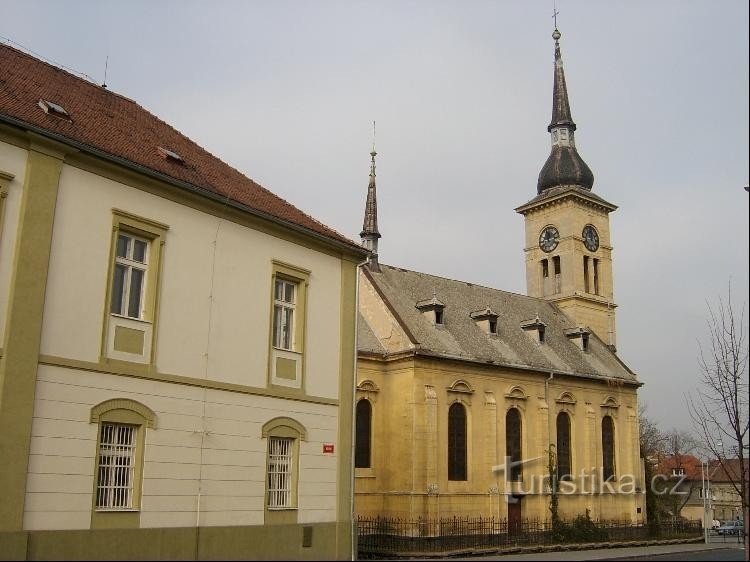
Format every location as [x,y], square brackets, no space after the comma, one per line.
[384,536]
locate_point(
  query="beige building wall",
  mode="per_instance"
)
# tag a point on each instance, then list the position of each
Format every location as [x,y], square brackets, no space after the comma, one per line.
[409,475]
[205,461]
[214,273]
[205,441]
[12,162]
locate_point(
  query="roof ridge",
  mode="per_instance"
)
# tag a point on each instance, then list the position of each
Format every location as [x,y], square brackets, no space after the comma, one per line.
[469,283]
[88,82]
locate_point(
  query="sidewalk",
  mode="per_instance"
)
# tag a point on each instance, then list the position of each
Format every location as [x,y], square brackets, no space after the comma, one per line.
[612,553]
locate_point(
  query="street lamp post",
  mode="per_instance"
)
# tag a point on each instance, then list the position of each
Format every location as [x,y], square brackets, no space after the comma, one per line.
[705,514]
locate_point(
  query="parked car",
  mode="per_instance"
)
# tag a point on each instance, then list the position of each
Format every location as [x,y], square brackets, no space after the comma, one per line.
[731,528]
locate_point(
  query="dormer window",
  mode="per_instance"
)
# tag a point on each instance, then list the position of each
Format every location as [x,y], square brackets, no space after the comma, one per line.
[433,309]
[486,319]
[579,336]
[678,472]
[438,316]
[51,108]
[535,328]
[170,155]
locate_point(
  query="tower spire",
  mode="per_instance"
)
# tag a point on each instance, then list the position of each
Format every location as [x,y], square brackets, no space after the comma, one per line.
[370,234]
[564,167]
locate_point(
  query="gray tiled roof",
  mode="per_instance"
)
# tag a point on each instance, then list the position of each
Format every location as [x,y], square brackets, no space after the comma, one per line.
[461,338]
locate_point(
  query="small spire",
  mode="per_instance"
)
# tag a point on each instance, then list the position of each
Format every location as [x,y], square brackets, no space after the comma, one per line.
[370,233]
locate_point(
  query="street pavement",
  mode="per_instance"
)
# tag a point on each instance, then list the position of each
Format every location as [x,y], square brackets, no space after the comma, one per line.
[692,551]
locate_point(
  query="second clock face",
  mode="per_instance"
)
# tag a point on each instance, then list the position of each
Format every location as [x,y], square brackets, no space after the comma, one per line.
[549,238]
[590,238]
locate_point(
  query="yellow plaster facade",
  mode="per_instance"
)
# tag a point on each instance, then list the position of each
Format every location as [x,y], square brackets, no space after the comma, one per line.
[586,300]
[410,398]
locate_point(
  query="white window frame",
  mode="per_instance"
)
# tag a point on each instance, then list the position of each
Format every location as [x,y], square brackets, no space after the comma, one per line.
[129,263]
[280,473]
[284,306]
[115,480]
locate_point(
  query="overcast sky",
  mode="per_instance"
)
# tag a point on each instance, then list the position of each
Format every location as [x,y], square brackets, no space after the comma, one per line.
[462,95]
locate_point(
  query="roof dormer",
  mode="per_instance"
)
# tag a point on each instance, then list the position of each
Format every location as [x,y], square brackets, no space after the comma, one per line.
[486,319]
[535,328]
[579,336]
[432,309]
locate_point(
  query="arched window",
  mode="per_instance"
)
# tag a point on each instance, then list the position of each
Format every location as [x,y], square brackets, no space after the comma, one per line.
[362,456]
[563,446]
[608,448]
[513,443]
[457,442]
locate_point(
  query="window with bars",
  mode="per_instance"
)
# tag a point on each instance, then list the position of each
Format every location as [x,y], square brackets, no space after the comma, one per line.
[116,466]
[362,448]
[608,448]
[129,278]
[457,442]
[563,447]
[284,302]
[280,484]
[513,444]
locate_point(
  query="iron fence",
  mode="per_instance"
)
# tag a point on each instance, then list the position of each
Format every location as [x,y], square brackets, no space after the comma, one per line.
[388,536]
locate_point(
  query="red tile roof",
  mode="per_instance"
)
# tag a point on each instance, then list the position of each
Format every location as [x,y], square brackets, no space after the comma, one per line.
[688,463]
[729,471]
[119,127]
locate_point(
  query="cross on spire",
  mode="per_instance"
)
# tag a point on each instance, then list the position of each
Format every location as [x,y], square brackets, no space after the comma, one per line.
[554,14]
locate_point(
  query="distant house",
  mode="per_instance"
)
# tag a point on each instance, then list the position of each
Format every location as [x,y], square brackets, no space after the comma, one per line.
[725,479]
[177,356]
[680,484]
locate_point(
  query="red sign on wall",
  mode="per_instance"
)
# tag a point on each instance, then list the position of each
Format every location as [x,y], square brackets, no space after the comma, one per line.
[328,448]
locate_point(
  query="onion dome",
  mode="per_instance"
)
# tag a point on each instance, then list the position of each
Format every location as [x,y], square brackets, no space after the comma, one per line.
[564,165]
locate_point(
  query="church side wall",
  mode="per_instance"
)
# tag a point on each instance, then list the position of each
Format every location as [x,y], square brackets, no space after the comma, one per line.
[492,393]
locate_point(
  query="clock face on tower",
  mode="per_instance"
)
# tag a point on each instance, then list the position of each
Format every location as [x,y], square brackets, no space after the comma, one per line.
[590,238]
[549,238]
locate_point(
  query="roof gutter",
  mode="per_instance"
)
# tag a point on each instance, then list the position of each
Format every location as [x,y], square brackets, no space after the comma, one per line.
[352,248]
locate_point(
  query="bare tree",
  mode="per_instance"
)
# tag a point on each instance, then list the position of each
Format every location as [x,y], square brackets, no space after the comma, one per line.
[719,407]
[651,441]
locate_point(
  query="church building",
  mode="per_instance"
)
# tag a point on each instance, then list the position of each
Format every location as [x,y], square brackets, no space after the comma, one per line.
[473,401]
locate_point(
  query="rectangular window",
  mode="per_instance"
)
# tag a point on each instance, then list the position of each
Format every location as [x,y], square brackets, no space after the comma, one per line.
[545,268]
[557,267]
[596,276]
[586,273]
[280,455]
[131,305]
[284,302]
[116,466]
[128,282]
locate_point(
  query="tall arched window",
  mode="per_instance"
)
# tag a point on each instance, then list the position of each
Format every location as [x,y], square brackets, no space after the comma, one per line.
[362,457]
[457,442]
[608,447]
[513,443]
[563,446]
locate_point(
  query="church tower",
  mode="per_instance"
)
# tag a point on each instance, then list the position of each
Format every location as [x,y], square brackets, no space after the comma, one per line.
[568,247]
[370,234]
